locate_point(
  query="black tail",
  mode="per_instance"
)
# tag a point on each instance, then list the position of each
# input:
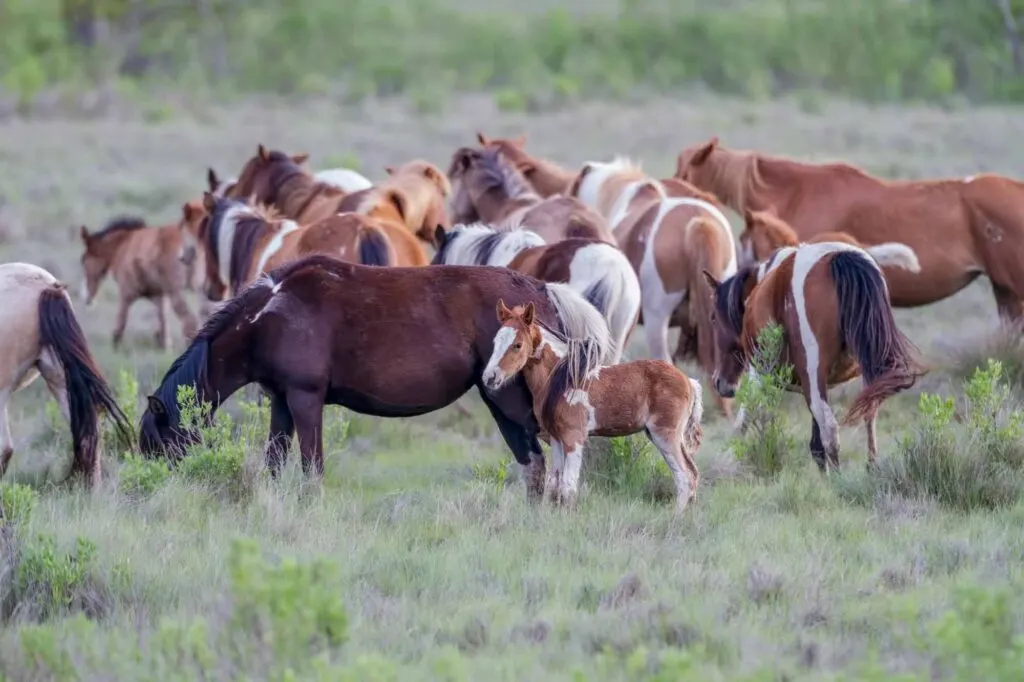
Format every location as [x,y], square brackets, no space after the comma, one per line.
[374,247]
[886,356]
[88,392]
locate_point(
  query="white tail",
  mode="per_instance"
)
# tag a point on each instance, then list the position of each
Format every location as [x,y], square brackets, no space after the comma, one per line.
[602,274]
[894,255]
[581,320]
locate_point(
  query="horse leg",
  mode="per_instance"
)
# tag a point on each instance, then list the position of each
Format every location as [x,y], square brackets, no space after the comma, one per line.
[122,319]
[669,443]
[869,424]
[6,441]
[163,336]
[189,324]
[553,488]
[282,427]
[1010,306]
[570,478]
[656,319]
[307,411]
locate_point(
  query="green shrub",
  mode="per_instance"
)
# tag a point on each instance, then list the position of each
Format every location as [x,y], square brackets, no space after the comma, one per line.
[16,503]
[629,466]
[47,583]
[139,477]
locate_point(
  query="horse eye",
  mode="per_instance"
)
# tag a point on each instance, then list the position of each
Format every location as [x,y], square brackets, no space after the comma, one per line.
[517,346]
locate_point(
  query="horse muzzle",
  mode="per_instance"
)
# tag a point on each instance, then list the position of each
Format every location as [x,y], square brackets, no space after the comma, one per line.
[494,379]
[725,388]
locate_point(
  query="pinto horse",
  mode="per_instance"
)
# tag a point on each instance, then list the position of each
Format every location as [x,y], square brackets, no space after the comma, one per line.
[144,262]
[319,331]
[575,397]
[959,228]
[832,302]
[273,177]
[240,242]
[595,270]
[39,335]
[764,233]
[487,188]
[218,186]
[414,196]
[669,242]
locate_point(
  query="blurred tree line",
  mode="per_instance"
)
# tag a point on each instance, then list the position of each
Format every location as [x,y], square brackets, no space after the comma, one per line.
[872,49]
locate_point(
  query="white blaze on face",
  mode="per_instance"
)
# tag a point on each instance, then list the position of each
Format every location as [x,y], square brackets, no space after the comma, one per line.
[503,340]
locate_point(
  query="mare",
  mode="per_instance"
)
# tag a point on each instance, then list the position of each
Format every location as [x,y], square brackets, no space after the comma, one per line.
[832,302]
[144,262]
[320,331]
[574,397]
[959,228]
[669,242]
[764,232]
[273,177]
[546,177]
[414,196]
[488,188]
[597,271]
[240,242]
[40,335]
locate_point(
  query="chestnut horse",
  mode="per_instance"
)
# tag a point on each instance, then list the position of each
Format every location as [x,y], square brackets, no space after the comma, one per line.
[487,188]
[414,196]
[596,270]
[832,302]
[669,241]
[764,233]
[240,242]
[40,335]
[144,262]
[959,228]
[319,331]
[273,177]
[546,177]
[574,397]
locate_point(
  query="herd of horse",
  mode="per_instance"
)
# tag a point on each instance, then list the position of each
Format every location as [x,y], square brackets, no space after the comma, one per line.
[524,279]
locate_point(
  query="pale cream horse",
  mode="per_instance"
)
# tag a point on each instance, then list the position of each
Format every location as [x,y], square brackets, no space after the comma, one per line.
[39,335]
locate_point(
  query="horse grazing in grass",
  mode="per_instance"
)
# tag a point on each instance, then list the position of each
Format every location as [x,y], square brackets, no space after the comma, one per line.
[546,177]
[669,242]
[595,270]
[144,263]
[764,233]
[832,303]
[319,331]
[273,177]
[414,196]
[240,242]
[575,397]
[39,335]
[487,188]
[959,228]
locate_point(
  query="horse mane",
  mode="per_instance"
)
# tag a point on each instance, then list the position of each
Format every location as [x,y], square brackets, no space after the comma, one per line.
[736,174]
[119,225]
[573,371]
[476,243]
[729,301]
[497,172]
[252,223]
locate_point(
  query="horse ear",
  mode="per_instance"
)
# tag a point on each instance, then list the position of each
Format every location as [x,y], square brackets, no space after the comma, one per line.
[157,408]
[211,179]
[390,170]
[710,279]
[439,236]
[209,202]
[261,152]
[529,314]
[574,189]
[84,232]
[504,314]
[704,152]
[300,159]
[482,139]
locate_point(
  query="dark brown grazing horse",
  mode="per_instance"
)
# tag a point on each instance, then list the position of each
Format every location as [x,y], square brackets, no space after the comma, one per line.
[832,302]
[389,342]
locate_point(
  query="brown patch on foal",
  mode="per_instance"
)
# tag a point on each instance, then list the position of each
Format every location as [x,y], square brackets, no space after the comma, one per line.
[145,263]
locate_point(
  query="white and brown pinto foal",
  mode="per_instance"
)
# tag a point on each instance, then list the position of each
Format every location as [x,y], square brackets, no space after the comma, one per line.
[574,397]
[597,271]
[669,240]
[832,302]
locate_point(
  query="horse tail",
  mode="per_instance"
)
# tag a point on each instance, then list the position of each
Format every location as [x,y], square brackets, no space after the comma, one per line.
[581,321]
[607,281]
[704,235]
[868,328]
[374,247]
[894,255]
[693,433]
[88,393]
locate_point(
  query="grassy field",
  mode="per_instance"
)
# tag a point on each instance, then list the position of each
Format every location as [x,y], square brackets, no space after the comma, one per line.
[442,568]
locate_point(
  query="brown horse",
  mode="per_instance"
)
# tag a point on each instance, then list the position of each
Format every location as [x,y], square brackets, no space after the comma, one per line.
[574,397]
[669,241]
[764,233]
[39,335]
[832,302]
[364,333]
[597,271]
[959,228]
[546,177]
[240,242]
[273,177]
[414,195]
[144,262]
[488,188]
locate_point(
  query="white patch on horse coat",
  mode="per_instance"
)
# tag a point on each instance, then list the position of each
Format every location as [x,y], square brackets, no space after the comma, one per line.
[225,241]
[774,261]
[576,396]
[606,263]
[223,187]
[970,178]
[503,340]
[658,304]
[276,242]
[343,178]
[467,240]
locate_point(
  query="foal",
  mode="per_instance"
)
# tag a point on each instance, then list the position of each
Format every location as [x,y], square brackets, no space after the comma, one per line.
[833,305]
[574,397]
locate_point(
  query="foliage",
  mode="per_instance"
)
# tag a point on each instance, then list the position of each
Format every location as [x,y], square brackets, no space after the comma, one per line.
[139,477]
[629,466]
[48,584]
[875,49]
[765,441]
[16,503]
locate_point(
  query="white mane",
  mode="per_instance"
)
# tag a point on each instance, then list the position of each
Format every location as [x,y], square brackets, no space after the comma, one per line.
[469,244]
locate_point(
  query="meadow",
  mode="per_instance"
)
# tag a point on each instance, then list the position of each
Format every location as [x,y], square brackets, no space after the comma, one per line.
[419,558]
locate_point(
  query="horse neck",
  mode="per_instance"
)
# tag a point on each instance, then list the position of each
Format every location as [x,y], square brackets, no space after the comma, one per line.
[494,204]
[248,234]
[294,195]
[553,178]
[538,369]
[735,178]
